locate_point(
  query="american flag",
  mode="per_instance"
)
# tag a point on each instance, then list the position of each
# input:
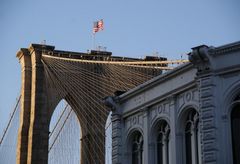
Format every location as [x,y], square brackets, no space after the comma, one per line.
[97,26]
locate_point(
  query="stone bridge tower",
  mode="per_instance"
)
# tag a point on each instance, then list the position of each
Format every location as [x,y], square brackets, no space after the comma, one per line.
[38,102]
[37,106]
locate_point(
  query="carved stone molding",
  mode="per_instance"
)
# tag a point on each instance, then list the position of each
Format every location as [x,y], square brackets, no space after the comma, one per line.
[188,97]
[232,47]
[116,138]
[207,120]
[162,109]
[135,120]
[200,58]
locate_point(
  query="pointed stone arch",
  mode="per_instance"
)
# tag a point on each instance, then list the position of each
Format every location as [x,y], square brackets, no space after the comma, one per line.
[64,135]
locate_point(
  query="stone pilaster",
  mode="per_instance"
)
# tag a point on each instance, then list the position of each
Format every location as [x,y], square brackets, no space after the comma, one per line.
[201,59]
[116,139]
[207,120]
[26,71]
[146,130]
[39,123]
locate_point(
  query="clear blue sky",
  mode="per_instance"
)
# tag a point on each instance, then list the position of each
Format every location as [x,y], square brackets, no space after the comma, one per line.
[132,28]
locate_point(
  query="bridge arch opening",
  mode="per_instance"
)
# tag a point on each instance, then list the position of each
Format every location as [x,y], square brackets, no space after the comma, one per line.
[64,136]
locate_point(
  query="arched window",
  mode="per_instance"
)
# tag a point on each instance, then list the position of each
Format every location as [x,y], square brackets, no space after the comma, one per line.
[163,143]
[235,126]
[137,148]
[192,147]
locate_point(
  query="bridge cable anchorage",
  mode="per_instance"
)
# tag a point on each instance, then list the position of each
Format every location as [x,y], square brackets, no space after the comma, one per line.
[84,83]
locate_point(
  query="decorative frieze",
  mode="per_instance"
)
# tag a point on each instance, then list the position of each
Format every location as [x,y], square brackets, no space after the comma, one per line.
[133,121]
[159,110]
[138,100]
[188,97]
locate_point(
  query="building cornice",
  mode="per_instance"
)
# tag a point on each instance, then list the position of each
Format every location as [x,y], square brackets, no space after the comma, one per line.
[40,47]
[21,52]
[232,47]
[155,81]
[160,98]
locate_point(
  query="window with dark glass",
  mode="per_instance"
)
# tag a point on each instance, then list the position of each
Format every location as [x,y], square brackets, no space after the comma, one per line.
[137,148]
[235,126]
[192,148]
[188,143]
[163,143]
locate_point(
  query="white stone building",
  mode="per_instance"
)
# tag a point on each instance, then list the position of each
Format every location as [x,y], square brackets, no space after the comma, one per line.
[189,115]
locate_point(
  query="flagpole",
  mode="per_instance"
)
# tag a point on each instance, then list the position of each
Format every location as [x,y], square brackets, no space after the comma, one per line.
[93,40]
[97,26]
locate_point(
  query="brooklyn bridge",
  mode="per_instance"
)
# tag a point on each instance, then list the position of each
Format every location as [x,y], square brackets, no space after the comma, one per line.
[41,131]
